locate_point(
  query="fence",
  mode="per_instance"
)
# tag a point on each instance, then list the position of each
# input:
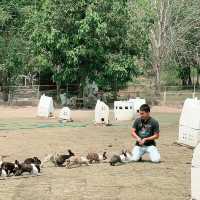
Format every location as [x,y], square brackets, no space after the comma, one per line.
[29,95]
[19,94]
[170,95]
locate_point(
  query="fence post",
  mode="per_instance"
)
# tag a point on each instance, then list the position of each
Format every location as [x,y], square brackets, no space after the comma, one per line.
[67,92]
[193,94]
[38,91]
[164,96]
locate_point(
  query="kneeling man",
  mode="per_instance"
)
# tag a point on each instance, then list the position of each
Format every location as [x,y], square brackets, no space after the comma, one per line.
[145,130]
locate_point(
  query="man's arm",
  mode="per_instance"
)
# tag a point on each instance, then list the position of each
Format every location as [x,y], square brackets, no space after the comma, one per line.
[154,137]
[134,135]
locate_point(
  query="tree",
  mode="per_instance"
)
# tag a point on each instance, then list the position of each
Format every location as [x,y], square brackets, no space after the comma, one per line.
[184,37]
[12,46]
[150,24]
[79,39]
[169,33]
[158,38]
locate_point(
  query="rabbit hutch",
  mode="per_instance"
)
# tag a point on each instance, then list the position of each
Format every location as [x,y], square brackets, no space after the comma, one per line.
[195,173]
[65,114]
[45,107]
[189,124]
[101,113]
[127,110]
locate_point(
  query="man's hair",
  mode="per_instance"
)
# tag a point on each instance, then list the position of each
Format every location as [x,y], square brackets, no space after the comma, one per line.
[145,108]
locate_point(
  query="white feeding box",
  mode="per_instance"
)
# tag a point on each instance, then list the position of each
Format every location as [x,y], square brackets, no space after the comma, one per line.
[137,103]
[65,114]
[190,114]
[45,106]
[195,174]
[124,110]
[189,124]
[101,113]
[196,157]
[188,136]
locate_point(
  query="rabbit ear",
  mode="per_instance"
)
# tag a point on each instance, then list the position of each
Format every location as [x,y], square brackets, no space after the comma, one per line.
[123,151]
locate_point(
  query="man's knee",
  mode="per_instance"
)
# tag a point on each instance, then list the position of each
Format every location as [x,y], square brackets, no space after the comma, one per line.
[155,160]
[154,154]
[136,158]
[136,154]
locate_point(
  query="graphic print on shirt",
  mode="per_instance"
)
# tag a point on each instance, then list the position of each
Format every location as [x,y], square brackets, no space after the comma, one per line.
[145,130]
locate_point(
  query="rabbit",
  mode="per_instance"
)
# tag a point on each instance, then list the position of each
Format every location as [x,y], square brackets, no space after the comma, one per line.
[128,155]
[50,157]
[96,157]
[58,159]
[2,159]
[117,159]
[8,167]
[62,158]
[77,161]
[22,167]
[34,160]
[3,172]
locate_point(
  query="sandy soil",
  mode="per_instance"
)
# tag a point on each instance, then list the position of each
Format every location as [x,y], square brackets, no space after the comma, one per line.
[169,180]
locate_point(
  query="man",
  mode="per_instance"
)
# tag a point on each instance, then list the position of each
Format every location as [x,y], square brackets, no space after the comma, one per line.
[145,130]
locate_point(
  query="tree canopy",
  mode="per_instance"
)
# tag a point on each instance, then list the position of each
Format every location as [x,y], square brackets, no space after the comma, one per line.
[110,42]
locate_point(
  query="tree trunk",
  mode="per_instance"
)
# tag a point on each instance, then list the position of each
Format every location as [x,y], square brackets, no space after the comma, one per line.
[58,83]
[5,94]
[198,72]
[158,38]
[189,80]
[5,88]
[82,85]
[58,91]
[189,77]
[115,90]
[157,80]
[184,82]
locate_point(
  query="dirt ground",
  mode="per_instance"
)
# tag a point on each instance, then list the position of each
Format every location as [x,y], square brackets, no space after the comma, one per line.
[23,135]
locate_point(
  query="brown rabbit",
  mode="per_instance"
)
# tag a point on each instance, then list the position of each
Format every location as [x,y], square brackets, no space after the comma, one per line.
[77,161]
[96,157]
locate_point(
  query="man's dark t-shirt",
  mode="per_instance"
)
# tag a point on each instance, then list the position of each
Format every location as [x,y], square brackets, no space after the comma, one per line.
[146,129]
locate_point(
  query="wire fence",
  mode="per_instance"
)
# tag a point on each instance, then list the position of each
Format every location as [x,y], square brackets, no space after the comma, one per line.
[30,95]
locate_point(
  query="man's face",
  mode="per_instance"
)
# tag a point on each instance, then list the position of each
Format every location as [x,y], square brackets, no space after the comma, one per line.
[144,115]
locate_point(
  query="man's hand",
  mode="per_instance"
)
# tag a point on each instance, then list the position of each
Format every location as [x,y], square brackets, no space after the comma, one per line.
[139,140]
[142,141]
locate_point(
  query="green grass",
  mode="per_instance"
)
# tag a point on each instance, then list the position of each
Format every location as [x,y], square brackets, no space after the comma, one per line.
[29,124]
[165,119]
